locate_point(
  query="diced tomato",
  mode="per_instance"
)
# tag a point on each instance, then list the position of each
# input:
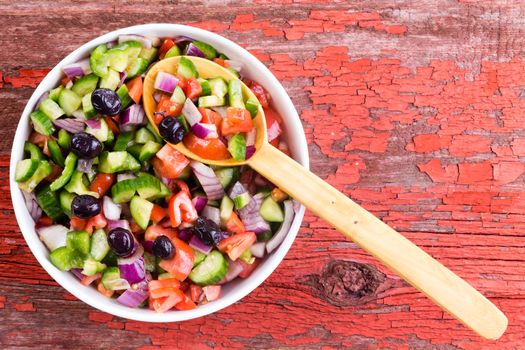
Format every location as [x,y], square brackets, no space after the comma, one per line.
[104,291]
[135,87]
[181,209]
[102,183]
[78,224]
[166,45]
[112,125]
[158,213]
[213,149]
[170,163]
[184,285]
[44,221]
[196,293]
[167,283]
[166,303]
[273,123]
[212,292]
[38,139]
[237,244]
[181,264]
[96,222]
[234,224]
[134,227]
[193,88]
[87,280]
[182,186]
[161,292]
[211,117]
[220,62]
[56,171]
[167,107]
[182,82]
[186,304]
[259,92]
[155,230]
[236,120]
[65,81]
[248,268]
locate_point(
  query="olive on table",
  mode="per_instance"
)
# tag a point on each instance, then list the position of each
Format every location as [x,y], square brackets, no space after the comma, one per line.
[163,248]
[121,241]
[85,145]
[85,206]
[171,129]
[208,231]
[106,101]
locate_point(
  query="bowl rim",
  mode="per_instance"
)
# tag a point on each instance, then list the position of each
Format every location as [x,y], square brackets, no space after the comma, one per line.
[88,294]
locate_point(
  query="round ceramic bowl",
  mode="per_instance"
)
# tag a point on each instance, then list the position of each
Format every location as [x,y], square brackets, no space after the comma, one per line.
[233,291]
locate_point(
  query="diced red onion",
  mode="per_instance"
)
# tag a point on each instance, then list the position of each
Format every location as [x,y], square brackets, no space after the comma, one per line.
[237,65]
[205,131]
[236,190]
[148,246]
[94,124]
[199,202]
[193,50]
[78,274]
[220,110]
[212,213]
[234,269]
[53,236]
[125,176]
[185,235]
[273,131]
[251,217]
[165,82]
[133,297]
[123,76]
[70,124]
[132,268]
[157,96]
[42,98]
[250,137]
[76,69]
[209,181]
[118,223]
[191,113]
[146,43]
[69,84]
[212,292]
[85,165]
[111,210]
[250,151]
[134,115]
[258,249]
[199,245]
[32,205]
[281,233]
[182,40]
[79,114]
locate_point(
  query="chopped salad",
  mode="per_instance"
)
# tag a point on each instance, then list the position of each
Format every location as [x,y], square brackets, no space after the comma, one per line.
[123,210]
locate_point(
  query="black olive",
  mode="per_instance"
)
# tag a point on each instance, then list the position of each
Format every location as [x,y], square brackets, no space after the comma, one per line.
[121,241]
[85,206]
[163,248]
[208,231]
[106,101]
[85,145]
[171,129]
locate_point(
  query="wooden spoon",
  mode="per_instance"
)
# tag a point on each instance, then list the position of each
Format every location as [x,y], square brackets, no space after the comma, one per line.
[415,266]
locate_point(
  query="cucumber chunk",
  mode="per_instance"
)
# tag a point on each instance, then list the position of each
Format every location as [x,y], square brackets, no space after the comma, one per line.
[147,151]
[66,199]
[237,147]
[99,245]
[54,93]
[271,210]
[252,105]
[85,85]
[136,67]
[178,95]
[209,51]
[25,169]
[42,123]
[227,176]
[65,259]
[91,267]
[123,140]
[205,86]
[172,52]
[79,241]
[199,257]
[48,201]
[111,279]
[218,87]
[235,93]
[141,211]
[113,162]
[69,101]
[43,171]
[98,61]
[226,209]
[123,94]
[187,69]
[149,54]
[77,185]
[111,80]
[102,133]
[211,101]
[123,191]
[51,108]
[34,152]
[211,270]
[64,138]
[241,200]
[143,135]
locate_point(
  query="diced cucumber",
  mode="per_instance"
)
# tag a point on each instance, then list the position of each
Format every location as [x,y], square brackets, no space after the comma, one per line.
[133,48]
[150,127]
[99,245]
[252,105]
[199,257]
[91,267]
[110,259]
[134,150]
[69,169]
[235,93]
[241,200]
[123,94]
[211,270]
[226,209]
[147,151]
[51,108]
[43,171]
[264,237]
[25,169]
[227,176]
[85,85]
[117,59]
[172,52]
[147,187]
[149,54]
[111,279]
[55,152]
[101,133]
[141,211]
[123,140]
[54,93]
[87,106]
[218,87]
[111,80]
[178,95]
[48,201]
[77,185]
[164,190]
[79,241]
[237,147]
[123,191]
[65,259]
[98,61]
[205,86]
[113,162]
[184,123]
[271,210]
[209,51]
[187,68]
[66,199]
[42,123]
[69,101]
[35,153]
[136,67]
[211,101]
[143,135]
[64,138]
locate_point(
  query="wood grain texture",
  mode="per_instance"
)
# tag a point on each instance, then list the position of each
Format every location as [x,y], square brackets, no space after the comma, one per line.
[413,108]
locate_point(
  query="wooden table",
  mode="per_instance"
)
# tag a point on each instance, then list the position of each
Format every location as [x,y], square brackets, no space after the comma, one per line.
[413,108]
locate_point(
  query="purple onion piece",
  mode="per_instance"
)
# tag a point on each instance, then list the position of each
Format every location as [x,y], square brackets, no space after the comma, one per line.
[71,125]
[205,131]
[196,243]
[192,50]
[199,202]
[133,115]
[94,124]
[209,181]
[250,151]
[191,113]
[185,235]
[165,82]
[212,213]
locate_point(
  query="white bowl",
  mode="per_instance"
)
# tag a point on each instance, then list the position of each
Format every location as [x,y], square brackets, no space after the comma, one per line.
[232,292]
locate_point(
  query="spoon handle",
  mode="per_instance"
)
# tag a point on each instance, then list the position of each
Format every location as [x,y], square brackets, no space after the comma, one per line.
[438,283]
